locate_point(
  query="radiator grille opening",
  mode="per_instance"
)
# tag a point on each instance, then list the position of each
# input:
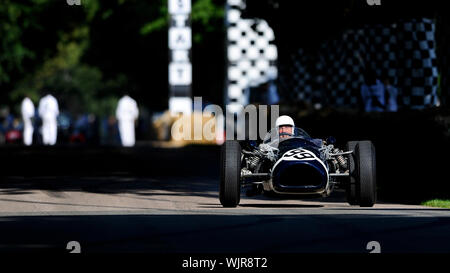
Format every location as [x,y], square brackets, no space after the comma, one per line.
[301,175]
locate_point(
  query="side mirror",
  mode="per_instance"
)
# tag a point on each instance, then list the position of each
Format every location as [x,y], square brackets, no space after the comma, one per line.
[330,140]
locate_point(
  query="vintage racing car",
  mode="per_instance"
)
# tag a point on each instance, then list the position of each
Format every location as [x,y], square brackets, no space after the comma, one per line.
[298,164]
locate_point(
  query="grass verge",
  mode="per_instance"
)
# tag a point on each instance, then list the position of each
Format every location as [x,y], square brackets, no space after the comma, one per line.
[437,203]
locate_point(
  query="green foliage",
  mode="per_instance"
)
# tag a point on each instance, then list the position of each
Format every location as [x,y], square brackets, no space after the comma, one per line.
[437,203]
[160,22]
[155,25]
[203,13]
[75,84]
[91,8]
[15,19]
[71,51]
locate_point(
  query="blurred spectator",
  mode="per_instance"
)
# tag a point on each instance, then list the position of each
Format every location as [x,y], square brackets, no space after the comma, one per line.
[4,112]
[77,137]
[144,124]
[110,134]
[37,122]
[85,130]
[372,92]
[92,131]
[391,93]
[28,110]
[13,136]
[48,111]
[272,93]
[265,94]
[79,130]
[13,133]
[9,122]
[65,126]
[127,112]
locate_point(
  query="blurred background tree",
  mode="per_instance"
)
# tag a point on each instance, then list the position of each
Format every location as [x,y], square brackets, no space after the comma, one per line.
[89,55]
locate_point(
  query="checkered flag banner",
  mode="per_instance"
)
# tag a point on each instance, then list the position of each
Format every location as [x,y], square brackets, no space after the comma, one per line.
[332,75]
[251,53]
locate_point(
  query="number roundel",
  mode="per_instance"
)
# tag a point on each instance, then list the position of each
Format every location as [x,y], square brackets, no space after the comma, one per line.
[298,154]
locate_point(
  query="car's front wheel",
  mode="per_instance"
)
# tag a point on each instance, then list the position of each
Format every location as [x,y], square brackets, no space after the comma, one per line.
[352,195]
[230,174]
[365,172]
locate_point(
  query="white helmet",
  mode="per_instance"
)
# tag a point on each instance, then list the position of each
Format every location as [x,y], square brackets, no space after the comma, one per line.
[284,120]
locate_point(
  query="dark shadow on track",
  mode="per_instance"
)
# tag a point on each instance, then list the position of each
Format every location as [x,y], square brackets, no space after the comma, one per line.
[389,209]
[274,205]
[140,186]
[312,233]
[268,205]
[99,161]
[191,170]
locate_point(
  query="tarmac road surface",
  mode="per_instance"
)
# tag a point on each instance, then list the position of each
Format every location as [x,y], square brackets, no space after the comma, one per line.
[180,213]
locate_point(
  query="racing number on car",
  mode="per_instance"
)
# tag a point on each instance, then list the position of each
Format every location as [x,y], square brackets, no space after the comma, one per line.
[299,154]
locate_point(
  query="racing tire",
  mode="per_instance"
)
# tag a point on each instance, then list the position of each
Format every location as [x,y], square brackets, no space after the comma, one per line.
[352,196]
[365,169]
[230,176]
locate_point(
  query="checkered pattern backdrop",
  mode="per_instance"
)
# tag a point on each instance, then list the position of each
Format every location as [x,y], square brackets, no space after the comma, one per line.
[333,74]
[443,24]
[445,76]
[251,53]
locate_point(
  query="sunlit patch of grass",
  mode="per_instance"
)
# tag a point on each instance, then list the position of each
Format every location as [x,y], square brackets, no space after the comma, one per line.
[437,203]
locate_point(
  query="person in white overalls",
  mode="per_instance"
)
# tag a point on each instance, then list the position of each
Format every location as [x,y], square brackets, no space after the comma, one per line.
[27,109]
[48,111]
[127,112]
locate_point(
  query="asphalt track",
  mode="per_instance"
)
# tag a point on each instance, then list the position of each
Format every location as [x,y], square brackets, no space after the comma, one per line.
[178,211]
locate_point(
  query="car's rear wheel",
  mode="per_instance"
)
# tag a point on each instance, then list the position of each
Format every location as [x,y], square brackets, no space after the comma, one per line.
[365,173]
[230,176]
[352,196]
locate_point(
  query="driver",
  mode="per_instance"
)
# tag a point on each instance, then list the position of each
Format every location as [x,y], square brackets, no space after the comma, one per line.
[285,126]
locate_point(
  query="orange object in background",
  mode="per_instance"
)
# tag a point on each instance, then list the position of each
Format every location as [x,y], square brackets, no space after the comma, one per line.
[194,123]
